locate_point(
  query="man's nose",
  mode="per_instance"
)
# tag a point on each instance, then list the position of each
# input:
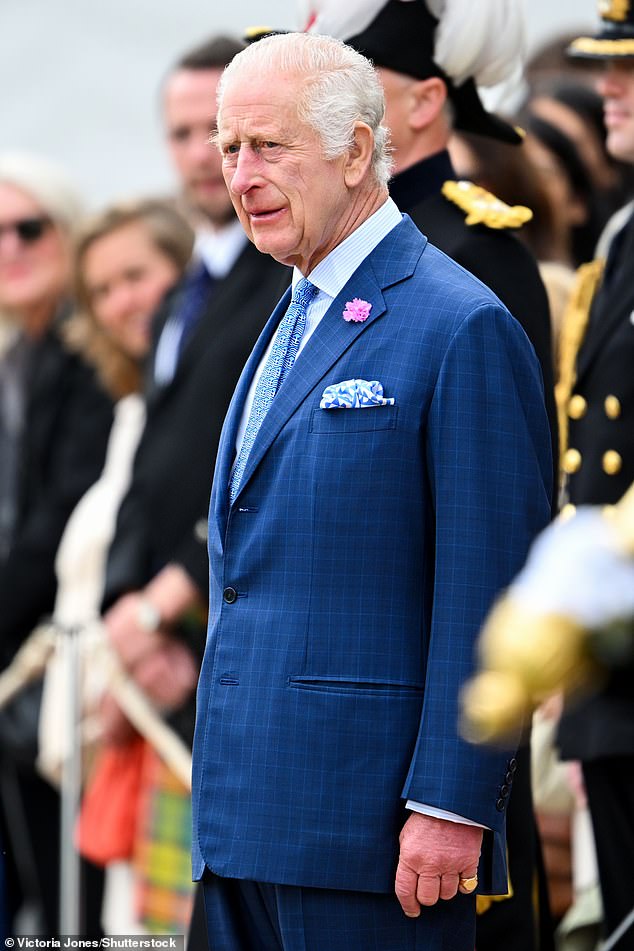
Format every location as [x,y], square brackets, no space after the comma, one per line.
[610,82]
[244,174]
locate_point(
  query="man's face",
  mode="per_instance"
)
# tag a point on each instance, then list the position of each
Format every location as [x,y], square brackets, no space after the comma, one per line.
[293,203]
[190,116]
[616,87]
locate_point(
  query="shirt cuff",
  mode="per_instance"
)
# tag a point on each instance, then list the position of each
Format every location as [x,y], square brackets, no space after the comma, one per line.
[414,806]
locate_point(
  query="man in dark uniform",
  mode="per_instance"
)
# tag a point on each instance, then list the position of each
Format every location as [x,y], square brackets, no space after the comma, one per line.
[403,40]
[597,396]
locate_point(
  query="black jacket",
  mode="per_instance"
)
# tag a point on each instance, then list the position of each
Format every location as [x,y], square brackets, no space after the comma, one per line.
[601,431]
[68,419]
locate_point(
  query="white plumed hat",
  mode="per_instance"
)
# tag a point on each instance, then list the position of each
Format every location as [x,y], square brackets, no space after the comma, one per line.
[468,43]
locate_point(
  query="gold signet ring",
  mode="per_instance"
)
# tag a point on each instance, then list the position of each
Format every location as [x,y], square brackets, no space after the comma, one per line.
[468,884]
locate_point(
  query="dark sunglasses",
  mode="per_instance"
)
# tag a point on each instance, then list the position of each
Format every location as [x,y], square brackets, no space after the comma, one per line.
[28,230]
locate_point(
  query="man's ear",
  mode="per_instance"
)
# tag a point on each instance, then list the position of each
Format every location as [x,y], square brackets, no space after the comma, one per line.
[359,155]
[427,101]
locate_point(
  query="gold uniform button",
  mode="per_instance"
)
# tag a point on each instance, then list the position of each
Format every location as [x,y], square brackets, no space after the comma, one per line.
[612,406]
[577,406]
[572,461]
[567,512]
[612,462]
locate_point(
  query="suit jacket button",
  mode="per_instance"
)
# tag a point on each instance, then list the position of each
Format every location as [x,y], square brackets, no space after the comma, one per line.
[509,777]
[512,764]
[505,790]
[230,595]
[500,805]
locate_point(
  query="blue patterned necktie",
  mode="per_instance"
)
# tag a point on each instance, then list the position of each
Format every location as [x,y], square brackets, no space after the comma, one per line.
[279,362]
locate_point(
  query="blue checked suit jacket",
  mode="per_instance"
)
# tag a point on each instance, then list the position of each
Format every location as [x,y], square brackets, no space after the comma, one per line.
[365,547]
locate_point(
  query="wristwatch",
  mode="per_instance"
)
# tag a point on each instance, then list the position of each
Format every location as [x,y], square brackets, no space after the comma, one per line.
[148,615]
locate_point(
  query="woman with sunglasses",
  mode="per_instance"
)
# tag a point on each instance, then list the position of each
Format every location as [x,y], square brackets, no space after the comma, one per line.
[55,418]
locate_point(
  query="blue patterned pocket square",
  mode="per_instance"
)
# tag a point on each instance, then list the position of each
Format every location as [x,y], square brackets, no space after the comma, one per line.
[354,394]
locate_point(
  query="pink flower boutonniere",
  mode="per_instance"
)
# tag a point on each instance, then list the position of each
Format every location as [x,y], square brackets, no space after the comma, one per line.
[357,310]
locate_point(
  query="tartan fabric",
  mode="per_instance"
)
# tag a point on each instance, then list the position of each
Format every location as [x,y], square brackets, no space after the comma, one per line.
[363,550]
[162,856]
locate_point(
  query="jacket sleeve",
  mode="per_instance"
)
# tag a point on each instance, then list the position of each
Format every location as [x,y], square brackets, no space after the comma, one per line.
[490,468]
[511,272]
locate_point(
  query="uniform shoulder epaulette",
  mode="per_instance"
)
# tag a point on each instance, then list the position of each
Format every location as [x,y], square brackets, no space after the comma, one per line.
[484,208]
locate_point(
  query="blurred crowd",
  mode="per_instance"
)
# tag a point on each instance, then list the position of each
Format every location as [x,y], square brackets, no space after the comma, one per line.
[122,336]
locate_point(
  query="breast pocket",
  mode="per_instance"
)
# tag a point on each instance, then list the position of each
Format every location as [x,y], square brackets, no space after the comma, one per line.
[340,422]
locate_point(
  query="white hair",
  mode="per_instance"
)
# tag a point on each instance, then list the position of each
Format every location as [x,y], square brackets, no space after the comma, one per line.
[340,88]
[47,184]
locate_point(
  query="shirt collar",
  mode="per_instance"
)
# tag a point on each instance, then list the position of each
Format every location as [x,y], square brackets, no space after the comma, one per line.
[219,250]
[332,274]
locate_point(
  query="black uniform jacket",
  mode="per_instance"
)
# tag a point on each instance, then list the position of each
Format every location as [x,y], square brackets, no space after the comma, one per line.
[602,432]
[601,427]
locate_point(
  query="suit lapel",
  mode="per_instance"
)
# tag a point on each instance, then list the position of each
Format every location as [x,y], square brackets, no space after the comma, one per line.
[332,337]
[226,447]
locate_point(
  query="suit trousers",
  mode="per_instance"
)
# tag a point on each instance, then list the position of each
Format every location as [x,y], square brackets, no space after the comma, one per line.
[610,788]
[253,916]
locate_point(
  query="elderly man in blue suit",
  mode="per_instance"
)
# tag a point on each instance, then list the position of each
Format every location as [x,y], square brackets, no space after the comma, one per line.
[384,465]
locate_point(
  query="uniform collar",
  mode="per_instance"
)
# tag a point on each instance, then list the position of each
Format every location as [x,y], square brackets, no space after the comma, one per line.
[422,180]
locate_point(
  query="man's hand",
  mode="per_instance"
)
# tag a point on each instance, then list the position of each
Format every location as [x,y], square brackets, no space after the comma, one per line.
[435,855]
